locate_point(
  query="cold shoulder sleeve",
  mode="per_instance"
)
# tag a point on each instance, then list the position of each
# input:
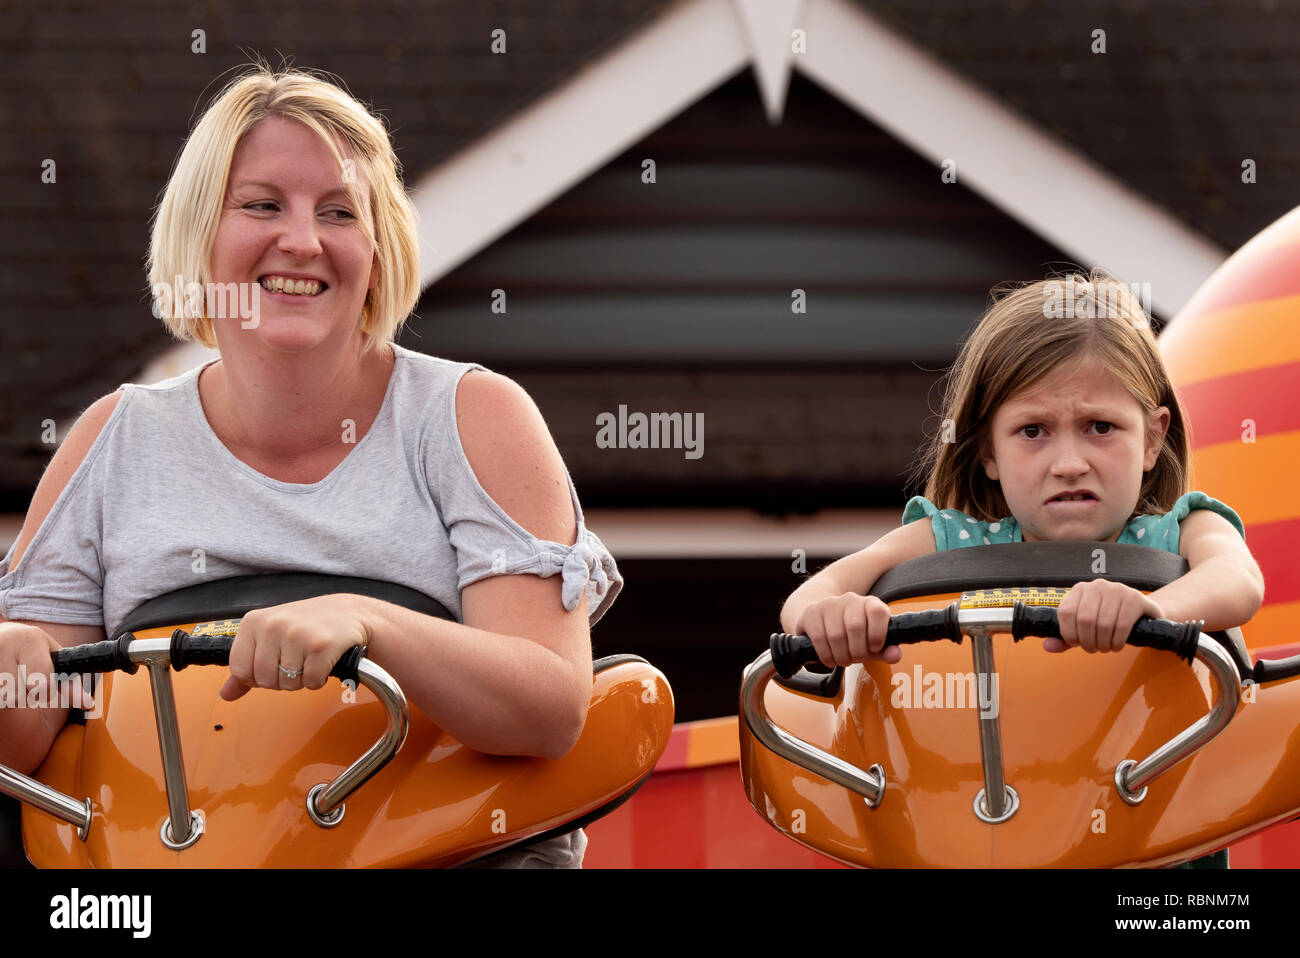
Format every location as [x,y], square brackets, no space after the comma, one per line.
[488,542]
[60,575]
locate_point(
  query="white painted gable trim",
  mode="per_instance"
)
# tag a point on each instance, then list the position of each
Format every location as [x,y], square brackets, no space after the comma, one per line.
[1036,179]
[768,27]
[506,176]
[509,174]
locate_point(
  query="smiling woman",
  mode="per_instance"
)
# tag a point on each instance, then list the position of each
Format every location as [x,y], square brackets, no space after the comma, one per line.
[317,444]
[228,165]
[289,227]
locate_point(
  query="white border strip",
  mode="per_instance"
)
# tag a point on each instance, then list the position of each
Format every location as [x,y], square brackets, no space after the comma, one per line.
[737,533]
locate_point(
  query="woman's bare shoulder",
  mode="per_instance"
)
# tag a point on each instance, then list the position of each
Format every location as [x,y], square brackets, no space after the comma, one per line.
[513,456]
[64,464]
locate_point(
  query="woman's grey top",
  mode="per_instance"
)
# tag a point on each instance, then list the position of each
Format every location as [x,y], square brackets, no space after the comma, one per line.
[160,503]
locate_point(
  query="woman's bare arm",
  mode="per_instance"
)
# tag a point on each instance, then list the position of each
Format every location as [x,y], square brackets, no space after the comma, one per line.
[26,734]
[515,678]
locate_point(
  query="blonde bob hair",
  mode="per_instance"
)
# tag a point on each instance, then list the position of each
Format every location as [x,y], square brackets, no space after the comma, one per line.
[1029,331]
[185,222]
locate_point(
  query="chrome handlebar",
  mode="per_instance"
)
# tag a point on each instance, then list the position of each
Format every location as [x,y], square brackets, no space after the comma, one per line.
[183,827]
[1131,777]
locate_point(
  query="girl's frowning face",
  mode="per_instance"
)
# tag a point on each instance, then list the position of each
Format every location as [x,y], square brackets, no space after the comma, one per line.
[1078,434]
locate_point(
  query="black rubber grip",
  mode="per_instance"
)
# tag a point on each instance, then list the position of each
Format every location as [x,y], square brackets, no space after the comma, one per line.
[346,667]
[190,649]
[186,650]
[1177,637]
[929,626]
[790,653]
[107,656]
[1270,670]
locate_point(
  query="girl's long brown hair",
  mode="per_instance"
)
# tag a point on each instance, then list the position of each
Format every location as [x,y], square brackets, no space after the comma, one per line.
[1029,331]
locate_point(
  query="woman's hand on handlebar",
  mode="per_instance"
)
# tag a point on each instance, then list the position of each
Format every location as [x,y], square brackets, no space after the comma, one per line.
[27,647]
[1098,616]
[31,702]
[848,628]
[294,646]
[26,651]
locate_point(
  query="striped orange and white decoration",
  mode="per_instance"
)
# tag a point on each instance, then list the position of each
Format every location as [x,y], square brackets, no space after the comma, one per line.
[1234,354]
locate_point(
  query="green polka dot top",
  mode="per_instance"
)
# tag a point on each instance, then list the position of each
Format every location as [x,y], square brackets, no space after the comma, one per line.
[955,530]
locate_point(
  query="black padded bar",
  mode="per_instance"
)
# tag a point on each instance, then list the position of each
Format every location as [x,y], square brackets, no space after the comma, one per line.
[1043,564]
[235,597]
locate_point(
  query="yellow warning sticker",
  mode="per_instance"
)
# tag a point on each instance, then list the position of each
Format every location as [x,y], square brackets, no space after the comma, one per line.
[999,598]
[224,627]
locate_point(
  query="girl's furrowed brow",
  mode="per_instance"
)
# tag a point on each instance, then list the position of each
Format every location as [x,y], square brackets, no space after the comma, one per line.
[1042,415]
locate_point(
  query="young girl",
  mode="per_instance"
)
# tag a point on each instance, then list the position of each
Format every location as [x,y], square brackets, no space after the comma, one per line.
[1060,422]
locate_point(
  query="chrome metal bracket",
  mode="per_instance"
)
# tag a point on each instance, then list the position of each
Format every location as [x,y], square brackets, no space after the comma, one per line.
[1010,802]
[869,784]
[182,834]
[195,832]
[324,821]
[1132,777]
[996,801]
[49,800]
[325,801]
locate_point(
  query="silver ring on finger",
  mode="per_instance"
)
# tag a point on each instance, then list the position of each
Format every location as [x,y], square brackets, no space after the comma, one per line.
[290,673]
